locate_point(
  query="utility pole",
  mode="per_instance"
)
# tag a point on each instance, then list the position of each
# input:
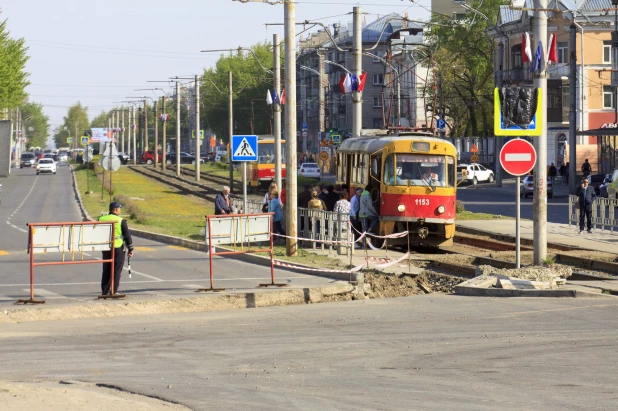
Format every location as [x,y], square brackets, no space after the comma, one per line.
[123,131]
[442,131]
[198,157]
[290,121]
[321,103]
[164,144]
[156,134]
[277,108]
[540,172]
[145,147]
[134,135]
[357,68]
[572,108]
[231,130]
[177,128]
[498,139]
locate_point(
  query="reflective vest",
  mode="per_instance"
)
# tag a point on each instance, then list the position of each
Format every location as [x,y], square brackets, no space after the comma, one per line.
[118,238]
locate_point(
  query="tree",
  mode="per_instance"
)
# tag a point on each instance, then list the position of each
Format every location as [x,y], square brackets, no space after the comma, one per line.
[75,123]
[250,83]
[13,77]
[36,124]
[100,121]
[463,54]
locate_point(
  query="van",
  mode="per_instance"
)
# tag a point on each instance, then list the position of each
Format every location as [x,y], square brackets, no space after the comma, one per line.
[27,160]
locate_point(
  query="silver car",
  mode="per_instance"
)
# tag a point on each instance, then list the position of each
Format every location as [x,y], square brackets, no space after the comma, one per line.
[526,187]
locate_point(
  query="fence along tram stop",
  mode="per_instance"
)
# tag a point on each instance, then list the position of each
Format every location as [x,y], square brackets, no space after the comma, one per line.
[74,240]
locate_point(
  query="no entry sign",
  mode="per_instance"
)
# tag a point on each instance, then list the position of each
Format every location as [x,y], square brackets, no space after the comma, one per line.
[517,157]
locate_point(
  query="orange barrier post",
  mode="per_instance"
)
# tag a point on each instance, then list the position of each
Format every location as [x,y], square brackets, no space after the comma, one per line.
[272,259]
[60,246]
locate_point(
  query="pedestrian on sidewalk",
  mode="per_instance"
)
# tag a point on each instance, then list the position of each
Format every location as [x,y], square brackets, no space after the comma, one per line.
[367,213]
[567,171]
[562,171]
[223,202]
[274,206]
[552,173]
[122,238]
[586,196]
[586,168]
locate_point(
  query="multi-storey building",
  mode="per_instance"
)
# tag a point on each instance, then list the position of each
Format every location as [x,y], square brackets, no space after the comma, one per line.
[596,100]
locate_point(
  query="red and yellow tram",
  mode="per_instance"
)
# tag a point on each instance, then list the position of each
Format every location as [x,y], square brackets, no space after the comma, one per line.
[413,178]
[262,172]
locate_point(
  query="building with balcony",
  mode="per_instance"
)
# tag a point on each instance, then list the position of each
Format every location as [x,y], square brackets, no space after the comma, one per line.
[596,98]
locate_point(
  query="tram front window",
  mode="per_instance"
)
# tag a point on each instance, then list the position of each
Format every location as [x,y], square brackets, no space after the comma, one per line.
[266,153]
[418,170]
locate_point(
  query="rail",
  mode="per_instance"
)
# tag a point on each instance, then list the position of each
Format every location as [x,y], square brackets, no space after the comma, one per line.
[603,212]
[329,228]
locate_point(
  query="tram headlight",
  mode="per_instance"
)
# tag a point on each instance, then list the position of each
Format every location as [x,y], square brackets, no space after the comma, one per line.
[401,208]
[441,209]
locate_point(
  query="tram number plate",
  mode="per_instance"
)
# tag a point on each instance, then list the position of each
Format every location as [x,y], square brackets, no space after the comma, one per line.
[422,201]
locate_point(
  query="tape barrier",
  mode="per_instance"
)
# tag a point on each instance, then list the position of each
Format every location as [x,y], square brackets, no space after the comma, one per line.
[321,270]
[393,262]
[394,235]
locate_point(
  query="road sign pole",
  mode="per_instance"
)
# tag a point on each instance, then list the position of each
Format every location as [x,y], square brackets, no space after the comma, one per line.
[244,188]
[517,217]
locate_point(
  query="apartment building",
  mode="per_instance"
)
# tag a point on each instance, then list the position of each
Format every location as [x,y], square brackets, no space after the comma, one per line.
[596,99]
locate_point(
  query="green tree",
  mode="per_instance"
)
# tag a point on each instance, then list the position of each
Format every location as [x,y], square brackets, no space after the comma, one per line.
[13,77]
[463,54]
[250,83]
[100,121]
[36,124]
[75,123]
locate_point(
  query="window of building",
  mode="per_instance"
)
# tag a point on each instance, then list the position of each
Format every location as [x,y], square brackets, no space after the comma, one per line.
[459,16]
[378,79]
[377,123]
[607,52]
[562,49]
[608,97]
[377,102]
[516,56]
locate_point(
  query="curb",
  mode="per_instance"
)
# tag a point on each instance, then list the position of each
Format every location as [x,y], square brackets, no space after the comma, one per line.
[524,241]
[199,246]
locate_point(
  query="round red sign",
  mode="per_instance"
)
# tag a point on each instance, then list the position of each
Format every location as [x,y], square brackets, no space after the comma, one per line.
[517,157]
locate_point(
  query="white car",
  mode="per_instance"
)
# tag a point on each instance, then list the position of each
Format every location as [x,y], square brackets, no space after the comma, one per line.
[311,170]
[474,173]
[46,165]
[62,156]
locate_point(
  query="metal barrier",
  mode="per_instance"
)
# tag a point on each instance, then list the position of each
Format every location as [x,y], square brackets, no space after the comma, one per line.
[327,226]
[603,212]
[70,238]
[254,207]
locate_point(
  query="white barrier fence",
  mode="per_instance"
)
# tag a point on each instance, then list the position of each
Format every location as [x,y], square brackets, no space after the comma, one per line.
[603,212]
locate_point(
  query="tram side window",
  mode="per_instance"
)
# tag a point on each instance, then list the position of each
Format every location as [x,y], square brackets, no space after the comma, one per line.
[364,165]
[344,168]
[355,169]
[451,171]
[389,175]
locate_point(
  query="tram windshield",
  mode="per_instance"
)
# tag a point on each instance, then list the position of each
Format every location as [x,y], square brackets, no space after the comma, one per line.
[419,170]
[266,152]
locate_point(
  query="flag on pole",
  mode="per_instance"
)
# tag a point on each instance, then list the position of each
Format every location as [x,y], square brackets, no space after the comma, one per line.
[341,81]
[269,99]
[283,97]
[536,64]
[275,97]
[526,52]
[361,82]
[164,117]
[354,82]
[552,56]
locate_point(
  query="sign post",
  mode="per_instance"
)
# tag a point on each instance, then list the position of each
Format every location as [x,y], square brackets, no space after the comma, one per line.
[244,148]
[517,157]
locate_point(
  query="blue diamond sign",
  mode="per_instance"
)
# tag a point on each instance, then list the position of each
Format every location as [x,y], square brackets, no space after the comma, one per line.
[244,148]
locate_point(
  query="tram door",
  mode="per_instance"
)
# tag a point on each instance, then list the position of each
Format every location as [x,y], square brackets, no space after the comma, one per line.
[375,178]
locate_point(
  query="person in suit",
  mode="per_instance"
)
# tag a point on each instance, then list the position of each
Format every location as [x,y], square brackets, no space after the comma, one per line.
[586,196]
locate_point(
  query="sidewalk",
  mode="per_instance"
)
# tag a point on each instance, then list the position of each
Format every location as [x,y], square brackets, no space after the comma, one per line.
[598,240]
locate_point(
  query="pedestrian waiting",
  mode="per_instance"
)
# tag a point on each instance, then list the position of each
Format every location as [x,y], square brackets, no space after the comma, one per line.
[586,196]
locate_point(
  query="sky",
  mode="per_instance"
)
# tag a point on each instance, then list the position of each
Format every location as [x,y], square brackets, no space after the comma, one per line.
[99,52]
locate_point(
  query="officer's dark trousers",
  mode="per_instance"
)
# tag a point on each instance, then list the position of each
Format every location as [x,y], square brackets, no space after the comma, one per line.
[106,279]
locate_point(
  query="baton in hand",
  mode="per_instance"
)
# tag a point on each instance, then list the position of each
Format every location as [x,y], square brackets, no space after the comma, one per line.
[129,262]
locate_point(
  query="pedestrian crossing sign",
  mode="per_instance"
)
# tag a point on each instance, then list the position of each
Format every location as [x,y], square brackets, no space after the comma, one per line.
[244,148]
[85,140]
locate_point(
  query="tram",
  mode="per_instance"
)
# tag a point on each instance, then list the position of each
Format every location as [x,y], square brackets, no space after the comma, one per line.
[262,172]
[413,178]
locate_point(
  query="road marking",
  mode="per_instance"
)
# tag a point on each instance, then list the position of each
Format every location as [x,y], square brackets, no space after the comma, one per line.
[8,221]
[132,271]
[193,286]
[177,247]
[2,252]
[40,292]
[142,248]
[5,298]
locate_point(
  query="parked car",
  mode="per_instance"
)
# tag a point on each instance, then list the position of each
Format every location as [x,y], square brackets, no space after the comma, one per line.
[63,156]
[596,180]
[52,156]
[27,160]
[209,156]
[526,187]
[148,157]
[474,173]
[185,158]
[609,186]
[46,165]
[124,158]
[311,170]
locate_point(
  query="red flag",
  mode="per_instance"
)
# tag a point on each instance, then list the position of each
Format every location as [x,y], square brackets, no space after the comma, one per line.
[361,81]
[526,51]
[551,51]
[341,86]
[283,97]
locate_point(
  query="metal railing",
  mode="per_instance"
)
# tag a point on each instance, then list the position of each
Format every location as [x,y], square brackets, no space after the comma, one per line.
[253,206]
[603,212]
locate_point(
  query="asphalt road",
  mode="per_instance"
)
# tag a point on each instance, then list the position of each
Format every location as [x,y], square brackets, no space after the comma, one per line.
[432,352]
[486,198]
[158,270]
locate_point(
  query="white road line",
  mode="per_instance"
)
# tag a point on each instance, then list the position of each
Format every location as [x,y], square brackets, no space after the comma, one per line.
[132,271]
[40,292]
[8,221]
[5,298]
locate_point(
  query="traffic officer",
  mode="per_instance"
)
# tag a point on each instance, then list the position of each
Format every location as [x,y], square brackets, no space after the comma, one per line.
[122,237]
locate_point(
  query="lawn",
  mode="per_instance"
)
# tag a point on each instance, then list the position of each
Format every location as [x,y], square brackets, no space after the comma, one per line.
[149,205]
[469,215]
[217,169]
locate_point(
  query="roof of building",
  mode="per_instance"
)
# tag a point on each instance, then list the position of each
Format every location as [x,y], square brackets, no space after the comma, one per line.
[581,7]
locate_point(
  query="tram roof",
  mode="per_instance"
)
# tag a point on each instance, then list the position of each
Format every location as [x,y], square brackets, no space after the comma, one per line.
[371,144]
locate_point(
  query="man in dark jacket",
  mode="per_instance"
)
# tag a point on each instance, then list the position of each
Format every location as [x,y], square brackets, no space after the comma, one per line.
[332,198]
[304,197]
[586,196]
[553,172]
[223,202]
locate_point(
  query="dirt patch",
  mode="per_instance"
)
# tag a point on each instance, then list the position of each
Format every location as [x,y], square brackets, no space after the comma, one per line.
[390,285]
[82,396]
[440,282]
[533,273]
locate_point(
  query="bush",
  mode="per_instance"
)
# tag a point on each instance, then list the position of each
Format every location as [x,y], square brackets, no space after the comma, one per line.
[459,207]
[130,208]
